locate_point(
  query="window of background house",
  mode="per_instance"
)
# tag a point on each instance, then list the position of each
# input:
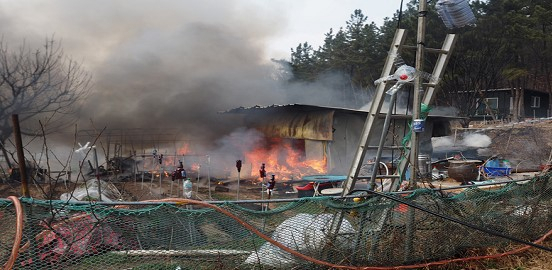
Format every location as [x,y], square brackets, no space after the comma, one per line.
[493,105]
[535,102]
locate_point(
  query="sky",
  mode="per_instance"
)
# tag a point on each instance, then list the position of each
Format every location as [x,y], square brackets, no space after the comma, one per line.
[309,20]
[168,63]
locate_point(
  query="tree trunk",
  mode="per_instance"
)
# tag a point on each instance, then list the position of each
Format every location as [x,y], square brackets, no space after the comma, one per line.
[6,156]
[519,113]
[516,111]
[521,104]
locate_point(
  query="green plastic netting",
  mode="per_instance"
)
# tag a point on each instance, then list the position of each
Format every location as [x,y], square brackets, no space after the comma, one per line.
[372,231]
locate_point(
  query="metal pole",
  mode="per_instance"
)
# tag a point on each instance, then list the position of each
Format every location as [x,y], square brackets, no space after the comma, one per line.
[20,156]
[209,176]
[420,47]
[161,179]
[262,192]
[238,192]
[143,168]
[97,172]
[238,167]
[197,188]
[384,132]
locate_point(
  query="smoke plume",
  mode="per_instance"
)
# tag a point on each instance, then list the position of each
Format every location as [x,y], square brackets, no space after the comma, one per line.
[165,64]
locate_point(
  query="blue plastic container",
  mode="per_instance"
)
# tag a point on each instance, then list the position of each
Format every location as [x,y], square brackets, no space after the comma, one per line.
[497,171]
[418,125]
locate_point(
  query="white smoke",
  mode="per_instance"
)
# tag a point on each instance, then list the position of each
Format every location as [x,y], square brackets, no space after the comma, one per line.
[476,140]
[469,140]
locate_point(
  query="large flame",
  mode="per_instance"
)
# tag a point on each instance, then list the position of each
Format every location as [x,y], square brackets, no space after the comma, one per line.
[284,158]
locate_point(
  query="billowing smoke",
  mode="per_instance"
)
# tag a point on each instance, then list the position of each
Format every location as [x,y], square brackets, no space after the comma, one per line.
[477,140]
[232,147]
[165,64]
[471,140]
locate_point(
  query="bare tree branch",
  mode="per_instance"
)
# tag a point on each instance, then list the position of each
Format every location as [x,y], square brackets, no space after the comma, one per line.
[39,84]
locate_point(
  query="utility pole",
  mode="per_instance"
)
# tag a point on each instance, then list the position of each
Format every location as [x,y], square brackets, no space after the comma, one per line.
[418,89]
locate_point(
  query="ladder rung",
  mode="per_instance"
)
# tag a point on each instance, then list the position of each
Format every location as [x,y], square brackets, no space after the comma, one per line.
[433,50]
[396,116]
[379,176]
[386,147]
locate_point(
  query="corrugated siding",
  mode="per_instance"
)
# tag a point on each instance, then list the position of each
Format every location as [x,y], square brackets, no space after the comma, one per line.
[314,125]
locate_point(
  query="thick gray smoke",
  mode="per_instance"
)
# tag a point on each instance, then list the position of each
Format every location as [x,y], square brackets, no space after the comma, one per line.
[169,67]
[157,64]
[164,64]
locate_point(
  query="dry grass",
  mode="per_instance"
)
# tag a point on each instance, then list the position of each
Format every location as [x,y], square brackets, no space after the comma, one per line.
[532,259]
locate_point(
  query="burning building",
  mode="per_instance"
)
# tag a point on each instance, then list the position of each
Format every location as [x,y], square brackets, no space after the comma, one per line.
[292,140]
[302,139]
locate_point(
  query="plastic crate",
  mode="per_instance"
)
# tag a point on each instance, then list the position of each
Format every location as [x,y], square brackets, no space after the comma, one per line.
[494,171]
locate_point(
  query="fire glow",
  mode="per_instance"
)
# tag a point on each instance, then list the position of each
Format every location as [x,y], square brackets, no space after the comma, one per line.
[284,158]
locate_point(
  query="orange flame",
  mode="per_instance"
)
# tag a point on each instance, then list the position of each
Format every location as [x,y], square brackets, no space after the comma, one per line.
[195,167]
[284,158]
[184,149]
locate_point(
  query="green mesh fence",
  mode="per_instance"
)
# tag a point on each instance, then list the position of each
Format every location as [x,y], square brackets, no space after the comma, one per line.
[321,232]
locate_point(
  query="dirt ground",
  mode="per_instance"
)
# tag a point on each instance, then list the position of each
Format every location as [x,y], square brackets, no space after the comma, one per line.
[528,144]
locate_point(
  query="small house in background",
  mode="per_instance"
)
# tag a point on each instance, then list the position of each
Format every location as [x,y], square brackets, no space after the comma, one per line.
[331,134]
[502,104]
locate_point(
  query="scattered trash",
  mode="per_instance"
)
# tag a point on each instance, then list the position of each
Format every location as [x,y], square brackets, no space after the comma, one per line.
[79,235]
[93,190]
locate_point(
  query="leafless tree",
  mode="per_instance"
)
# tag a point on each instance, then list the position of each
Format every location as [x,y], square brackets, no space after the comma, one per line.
[35,84]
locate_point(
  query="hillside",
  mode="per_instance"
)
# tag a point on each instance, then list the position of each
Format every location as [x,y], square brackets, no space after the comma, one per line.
[527,145]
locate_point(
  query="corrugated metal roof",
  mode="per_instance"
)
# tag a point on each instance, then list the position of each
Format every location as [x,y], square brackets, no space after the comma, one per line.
[304,107]
[307,108]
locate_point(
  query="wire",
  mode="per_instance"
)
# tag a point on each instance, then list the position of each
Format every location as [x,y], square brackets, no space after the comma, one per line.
[400,15]
[493,232]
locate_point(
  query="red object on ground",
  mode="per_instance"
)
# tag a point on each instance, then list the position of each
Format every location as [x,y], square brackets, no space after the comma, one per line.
[310,186]
[75,237]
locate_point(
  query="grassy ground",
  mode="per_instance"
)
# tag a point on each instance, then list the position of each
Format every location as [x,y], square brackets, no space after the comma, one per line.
[532,259]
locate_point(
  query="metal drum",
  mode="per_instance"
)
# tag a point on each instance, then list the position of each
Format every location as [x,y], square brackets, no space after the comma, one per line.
[464,170]
[424,164]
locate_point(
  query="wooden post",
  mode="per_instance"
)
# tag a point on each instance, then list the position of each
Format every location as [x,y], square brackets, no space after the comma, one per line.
[20,156]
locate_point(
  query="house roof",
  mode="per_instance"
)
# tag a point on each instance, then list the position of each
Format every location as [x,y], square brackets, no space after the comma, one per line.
[503,90]
[303,121]
[276,108]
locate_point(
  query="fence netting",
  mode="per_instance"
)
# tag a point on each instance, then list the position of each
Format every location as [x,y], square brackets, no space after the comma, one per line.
[307,233]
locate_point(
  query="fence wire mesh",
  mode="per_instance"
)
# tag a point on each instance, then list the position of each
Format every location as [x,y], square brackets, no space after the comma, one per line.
[307,233]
